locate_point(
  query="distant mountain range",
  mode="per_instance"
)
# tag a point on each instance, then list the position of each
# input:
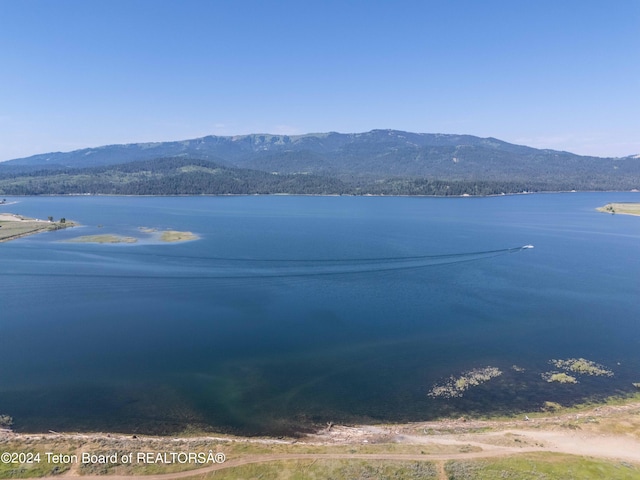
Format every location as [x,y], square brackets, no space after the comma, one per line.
[375,162]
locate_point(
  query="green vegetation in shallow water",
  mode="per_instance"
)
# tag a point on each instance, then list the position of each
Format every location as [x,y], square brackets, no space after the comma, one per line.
[456,386]
[558,377]
[582,366]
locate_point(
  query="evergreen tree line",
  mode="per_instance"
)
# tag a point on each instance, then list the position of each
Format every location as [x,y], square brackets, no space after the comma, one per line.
[186,176]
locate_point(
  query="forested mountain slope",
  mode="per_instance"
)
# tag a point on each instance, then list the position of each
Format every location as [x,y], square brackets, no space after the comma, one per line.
[377,162]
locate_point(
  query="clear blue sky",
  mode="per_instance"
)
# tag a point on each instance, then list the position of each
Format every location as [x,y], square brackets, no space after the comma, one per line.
[559,74]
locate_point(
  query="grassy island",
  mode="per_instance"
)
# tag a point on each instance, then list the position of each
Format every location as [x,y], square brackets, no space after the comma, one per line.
[16,226]
[175,236]
[456,386]
[107,238]
[621,208]
[169,236]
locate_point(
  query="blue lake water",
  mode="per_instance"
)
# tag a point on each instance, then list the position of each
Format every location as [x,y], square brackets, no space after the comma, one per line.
[290,312]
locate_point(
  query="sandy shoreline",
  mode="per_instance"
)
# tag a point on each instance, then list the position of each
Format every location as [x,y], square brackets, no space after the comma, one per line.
[621,208]
[607,432]
[17,226]
[14,226]
[12,217]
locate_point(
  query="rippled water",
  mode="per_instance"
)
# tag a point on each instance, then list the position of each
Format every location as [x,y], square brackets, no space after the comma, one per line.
[294,311]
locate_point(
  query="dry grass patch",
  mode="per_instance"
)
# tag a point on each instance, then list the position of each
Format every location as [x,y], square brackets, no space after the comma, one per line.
[549,466]
[11,230]
[176,236]
[107,238]
[622,208]
[330,469]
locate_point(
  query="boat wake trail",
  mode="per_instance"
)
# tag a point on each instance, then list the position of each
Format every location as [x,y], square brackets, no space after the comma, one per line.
[146,266]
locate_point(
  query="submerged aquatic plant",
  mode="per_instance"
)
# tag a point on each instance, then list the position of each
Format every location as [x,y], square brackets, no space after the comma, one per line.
[582,366]
[456,386]
[558,377]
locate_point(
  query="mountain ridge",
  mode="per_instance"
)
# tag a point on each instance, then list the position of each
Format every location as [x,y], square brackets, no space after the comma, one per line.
[266,140]
[347,163]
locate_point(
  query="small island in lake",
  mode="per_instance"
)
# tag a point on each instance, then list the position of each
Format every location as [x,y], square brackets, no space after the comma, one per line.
[622,208]
[108,238]
[175,236]
[16,226]
[169,236]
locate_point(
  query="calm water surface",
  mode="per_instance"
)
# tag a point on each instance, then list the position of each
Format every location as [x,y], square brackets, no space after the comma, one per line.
[294,311]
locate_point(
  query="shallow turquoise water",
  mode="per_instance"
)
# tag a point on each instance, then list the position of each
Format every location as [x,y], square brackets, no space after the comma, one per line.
[293,311]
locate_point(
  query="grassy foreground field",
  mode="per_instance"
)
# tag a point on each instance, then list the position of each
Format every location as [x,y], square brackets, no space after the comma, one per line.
[591,442]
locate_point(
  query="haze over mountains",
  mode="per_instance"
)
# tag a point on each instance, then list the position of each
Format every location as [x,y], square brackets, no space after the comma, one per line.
[375,162]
